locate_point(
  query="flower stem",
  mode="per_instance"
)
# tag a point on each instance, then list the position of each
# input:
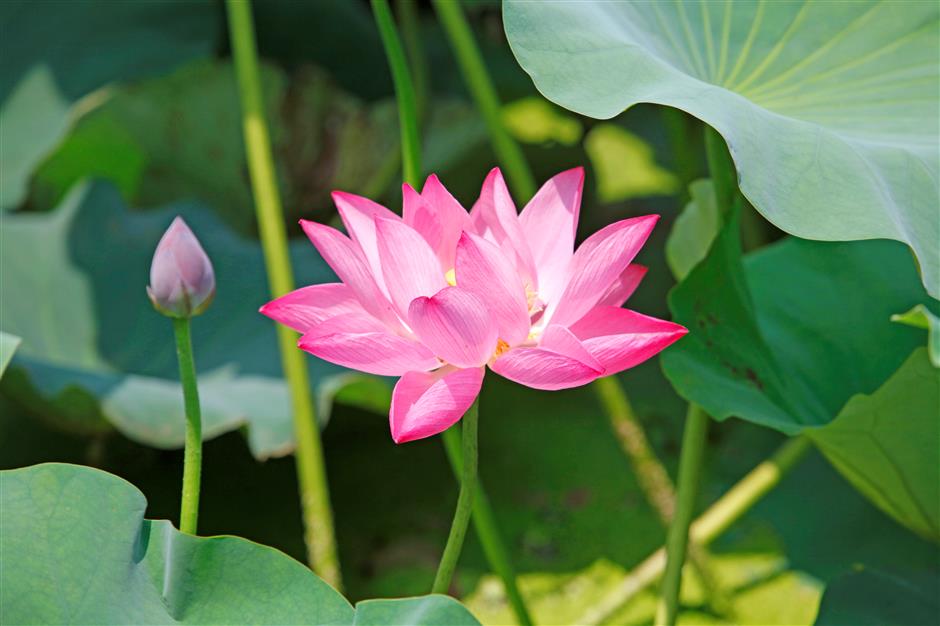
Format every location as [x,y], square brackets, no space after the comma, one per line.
[468,483]
[192,456]
[311,470]
[481,88]
[411,35]
[731,507]
[690,463]
[721,169]
[483,518]
[484,522]
[653,479]
[404,91]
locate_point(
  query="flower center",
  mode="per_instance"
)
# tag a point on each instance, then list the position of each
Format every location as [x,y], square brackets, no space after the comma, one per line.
[501,348]
[451,277]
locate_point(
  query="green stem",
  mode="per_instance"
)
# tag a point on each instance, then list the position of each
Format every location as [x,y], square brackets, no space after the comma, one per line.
[483,519]
[690,464]
[484,522]
[468,480]
[653,479]
[721,169]
[192,456]
[411,34]
[481,88]
[709,526]
[404,92]
[677,131]
[311,470]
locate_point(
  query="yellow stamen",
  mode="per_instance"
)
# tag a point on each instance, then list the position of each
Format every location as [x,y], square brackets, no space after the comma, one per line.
[501,348]
[451,277]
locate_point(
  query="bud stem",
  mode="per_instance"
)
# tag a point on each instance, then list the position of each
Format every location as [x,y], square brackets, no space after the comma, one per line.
[468,483]
[192,459]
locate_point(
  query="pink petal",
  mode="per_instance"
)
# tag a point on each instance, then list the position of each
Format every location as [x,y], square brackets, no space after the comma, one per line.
[456,326]
[438,216]
[358,215]
[621,338]
[418,213]
[624,286]
[541,368]
[359,345]
[562,341]
[494,217]
[424,404]
[482,269]
[346,259]
[598,262]
[550,222]
[409,265]
[305,308]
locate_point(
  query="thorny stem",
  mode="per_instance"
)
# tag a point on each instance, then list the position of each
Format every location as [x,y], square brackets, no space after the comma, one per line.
[311,471]
[192,456]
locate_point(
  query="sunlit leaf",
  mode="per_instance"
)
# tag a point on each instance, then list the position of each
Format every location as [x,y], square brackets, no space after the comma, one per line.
[536,120]
[53,55]
[96,352]
[77,550]
[787,337]
[831,109]
[922,317]
[694,230]
[886,444]
[625,166]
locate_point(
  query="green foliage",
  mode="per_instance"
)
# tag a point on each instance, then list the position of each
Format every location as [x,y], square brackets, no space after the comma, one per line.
[886,444]
[49,65]
[869,597]
[536,120]
[694,230]
[93,559]
[829,108]
[922,317]
[180,136]
[96,352]
[787,338]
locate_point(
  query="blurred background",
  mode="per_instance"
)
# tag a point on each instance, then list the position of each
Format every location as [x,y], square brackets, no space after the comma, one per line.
[117,116]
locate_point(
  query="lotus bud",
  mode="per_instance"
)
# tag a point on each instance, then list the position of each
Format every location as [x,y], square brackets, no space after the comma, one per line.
[182,282]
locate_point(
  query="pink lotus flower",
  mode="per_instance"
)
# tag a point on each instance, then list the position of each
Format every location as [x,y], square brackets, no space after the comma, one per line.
[440,293]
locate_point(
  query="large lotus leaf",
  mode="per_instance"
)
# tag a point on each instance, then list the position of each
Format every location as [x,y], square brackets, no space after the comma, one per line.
[886,444]
[77,550]
[869,597]
[180,136]
[787,337]
[831,110]
[96,350]
[57,51]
